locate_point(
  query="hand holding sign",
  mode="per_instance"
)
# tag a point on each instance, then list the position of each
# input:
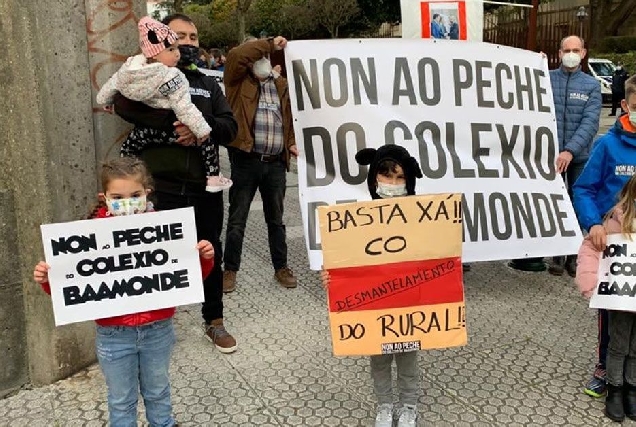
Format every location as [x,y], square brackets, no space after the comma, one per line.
[325,278]
[598,235]
[206,250]
[563,161]
[41,272]
[280,42]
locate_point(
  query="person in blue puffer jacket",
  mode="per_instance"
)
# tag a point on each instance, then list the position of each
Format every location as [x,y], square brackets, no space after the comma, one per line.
[577,107]
[611,164]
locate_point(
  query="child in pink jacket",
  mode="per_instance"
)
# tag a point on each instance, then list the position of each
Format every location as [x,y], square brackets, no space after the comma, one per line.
[621,353]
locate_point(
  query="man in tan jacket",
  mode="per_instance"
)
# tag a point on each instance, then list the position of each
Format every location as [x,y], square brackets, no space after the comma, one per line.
[260,153]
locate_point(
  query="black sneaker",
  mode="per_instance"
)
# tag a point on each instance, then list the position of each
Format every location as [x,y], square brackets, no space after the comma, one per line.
[570,265]
[557,267]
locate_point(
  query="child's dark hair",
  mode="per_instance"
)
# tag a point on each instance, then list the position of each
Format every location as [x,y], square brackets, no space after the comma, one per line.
[176,16]
[122,168]
[387,166]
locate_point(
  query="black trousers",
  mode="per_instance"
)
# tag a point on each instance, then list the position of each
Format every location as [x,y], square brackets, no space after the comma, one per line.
[270,178]
[208,214]
[617,97]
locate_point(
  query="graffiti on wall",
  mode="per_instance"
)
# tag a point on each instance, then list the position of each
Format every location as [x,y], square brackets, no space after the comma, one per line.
[108,24]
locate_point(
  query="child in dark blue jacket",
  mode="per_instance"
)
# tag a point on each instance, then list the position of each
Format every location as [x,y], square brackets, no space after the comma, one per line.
[611,164]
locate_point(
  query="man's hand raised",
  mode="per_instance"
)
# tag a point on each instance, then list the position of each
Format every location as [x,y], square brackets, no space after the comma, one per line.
[280,42]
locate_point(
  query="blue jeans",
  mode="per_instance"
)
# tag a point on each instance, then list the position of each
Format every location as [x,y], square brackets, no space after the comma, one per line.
[250,174]
[133,359]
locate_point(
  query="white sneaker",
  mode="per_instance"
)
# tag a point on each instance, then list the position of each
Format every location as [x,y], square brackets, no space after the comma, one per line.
[407,415]
[384,418]
[218,183]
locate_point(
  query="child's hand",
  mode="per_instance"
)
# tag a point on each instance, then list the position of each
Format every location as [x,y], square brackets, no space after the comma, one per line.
[326,278]
[598,236]
[206,250]
[41,272]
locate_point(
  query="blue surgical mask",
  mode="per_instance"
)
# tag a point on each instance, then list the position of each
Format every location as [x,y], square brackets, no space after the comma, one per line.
[386,191]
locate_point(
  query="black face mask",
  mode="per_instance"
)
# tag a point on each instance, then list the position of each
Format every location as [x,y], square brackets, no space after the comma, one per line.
[189,55]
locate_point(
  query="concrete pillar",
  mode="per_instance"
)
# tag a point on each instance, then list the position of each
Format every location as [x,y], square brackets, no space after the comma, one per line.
[48,158]
[111,29]
[13,370]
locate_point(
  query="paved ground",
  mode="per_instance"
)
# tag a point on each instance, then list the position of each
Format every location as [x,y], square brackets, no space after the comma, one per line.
[531,347]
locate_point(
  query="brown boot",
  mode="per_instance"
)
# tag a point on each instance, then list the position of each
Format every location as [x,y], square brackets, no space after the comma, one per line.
[229,281]
[286,277]
[215,332]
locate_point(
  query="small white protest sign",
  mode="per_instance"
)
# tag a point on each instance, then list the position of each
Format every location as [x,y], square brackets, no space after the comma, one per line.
[616,288]
[122,265]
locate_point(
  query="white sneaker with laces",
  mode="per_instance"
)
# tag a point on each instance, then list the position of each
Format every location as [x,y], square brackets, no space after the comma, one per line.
[407,415]
[384,418]
[218,183]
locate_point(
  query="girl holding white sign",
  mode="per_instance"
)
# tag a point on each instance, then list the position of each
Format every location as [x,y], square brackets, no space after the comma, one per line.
[134,349]
[392,173]
[621,352]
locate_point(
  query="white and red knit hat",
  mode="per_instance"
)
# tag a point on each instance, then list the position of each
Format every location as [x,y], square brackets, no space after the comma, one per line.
[154,36]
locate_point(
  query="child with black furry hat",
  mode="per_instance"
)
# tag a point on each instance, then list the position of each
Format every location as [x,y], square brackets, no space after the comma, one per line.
[392,173]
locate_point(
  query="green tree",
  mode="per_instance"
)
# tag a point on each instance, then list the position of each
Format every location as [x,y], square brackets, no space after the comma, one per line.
[607,17]
[216,22]
[178,6]
[376,12]
[290,18]
[242,7]
[333,14]
[264,16]
[296,20]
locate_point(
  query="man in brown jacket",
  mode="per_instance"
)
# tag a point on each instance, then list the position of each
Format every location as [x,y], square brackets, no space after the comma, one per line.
[260,153]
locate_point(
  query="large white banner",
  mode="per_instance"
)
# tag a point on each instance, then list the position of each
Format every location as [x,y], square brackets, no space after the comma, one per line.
[121,265]
[443,19]
[616,286]
[478,117]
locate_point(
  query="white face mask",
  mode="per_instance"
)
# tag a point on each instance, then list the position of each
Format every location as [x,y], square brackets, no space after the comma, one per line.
[131,206]
[262,68]
[386,191]
[632,117]
[571,60]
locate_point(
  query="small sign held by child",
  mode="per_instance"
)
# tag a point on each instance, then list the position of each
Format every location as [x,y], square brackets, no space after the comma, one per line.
[122,264]
[616,287]
[395,274]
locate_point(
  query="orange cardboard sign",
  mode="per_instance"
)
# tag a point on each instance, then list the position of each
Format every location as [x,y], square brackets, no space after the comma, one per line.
[396,276]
